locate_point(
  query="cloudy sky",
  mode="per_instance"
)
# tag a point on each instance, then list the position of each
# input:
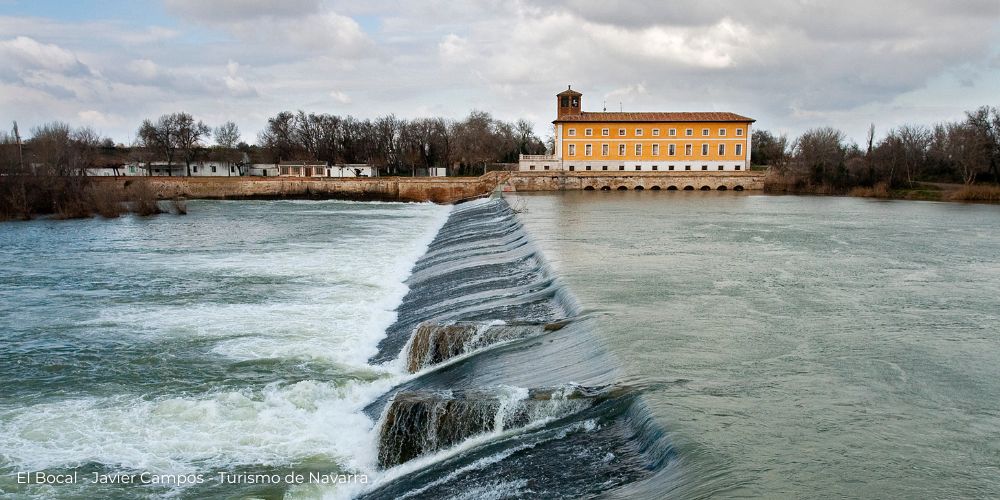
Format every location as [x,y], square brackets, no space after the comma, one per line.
[791,65]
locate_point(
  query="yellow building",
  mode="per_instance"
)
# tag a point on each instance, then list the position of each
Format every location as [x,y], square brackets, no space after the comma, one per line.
[646,142]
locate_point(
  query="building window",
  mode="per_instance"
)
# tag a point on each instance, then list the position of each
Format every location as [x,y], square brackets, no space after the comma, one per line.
[655,167]
[687,167]
[739,132]
[720,167]
[565,102]
[587,150]
[638,167]
[671,167]
[704,167]
[572,168]
[604,167]
[605,132]
[588,167]
[194,168]
[737,167]
[704,149]
[571,132]
[232,169]
[621,167]
[532,167]
[213,169]
[588,132]
[572,149]
[621,150]
[671,149]
[739,149]
[546,167]
[687,150]
[656,132]
[672,132]
[656,150]
[638,149]
[604,150]
[689,132]
[722,150]
[704,132]
[722,132]
[638,132]
[621,132]
[131,169]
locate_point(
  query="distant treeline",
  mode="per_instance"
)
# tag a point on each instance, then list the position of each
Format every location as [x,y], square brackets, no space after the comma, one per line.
[822,161]
[45,173]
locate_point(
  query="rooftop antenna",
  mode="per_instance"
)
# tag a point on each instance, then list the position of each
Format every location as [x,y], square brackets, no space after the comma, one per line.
[620,107]
[605,105]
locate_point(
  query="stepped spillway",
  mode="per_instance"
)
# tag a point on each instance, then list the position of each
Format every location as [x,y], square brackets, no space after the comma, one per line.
[512,387]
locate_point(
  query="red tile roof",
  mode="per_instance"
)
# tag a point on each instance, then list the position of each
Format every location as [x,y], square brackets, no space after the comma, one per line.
[710,116]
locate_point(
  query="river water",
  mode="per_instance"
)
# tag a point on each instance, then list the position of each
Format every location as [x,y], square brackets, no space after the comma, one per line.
[816,347]
[628,344]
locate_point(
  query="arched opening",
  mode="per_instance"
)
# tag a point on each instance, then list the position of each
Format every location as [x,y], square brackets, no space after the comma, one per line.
[605,188]
[671,188]
[655,188]
[721,188]
[738,188]
[689,188]
[639,188]
[622,188]
[706,188]
[588,188]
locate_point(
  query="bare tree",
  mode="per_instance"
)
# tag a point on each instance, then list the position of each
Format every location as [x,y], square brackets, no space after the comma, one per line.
[227,136]
[189,136]
[160,137]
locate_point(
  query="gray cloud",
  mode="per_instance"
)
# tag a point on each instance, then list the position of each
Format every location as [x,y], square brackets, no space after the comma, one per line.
[789,64]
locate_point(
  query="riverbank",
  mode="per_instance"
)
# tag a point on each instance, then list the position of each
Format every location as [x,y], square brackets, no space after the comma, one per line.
[921,191]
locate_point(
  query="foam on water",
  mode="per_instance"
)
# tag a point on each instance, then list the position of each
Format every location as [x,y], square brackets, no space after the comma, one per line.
[327,299]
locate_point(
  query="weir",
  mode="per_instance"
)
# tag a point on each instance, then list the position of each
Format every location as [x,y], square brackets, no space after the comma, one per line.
[513,387]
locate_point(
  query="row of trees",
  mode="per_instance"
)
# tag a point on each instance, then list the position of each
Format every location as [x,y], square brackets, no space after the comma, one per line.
[392,144]
[395,144]
[962,151]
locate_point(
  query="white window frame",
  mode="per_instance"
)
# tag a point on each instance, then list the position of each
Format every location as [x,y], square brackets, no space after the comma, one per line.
[605,132]
[705,132]
[588,132]
[572,150]
[656,150]
[588,150]
[605,149]
[621,150]
[621,132]
[689,150]
[571,132]
[722,149]
[704,149]
[689,132]
[638,149]
[739,132]
[739,150]
[672,132]
[638,132]
[722,132]
[671,150]
[656,132]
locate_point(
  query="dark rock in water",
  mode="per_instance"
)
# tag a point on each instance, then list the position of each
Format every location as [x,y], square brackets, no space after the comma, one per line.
[434,343]
[419,423]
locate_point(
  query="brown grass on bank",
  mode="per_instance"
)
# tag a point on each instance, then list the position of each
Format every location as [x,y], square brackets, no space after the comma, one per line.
[880,190]
[107,200]
[977,192]
[142,197]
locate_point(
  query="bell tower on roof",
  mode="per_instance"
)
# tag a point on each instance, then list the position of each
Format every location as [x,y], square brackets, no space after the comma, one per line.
[568,102]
